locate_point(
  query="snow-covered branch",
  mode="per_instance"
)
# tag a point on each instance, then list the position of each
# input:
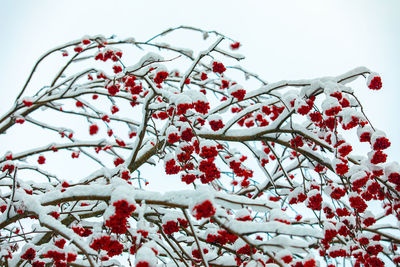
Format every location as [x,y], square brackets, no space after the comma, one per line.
[265,172]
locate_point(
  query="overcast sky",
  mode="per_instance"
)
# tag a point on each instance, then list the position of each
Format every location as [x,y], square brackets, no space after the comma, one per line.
[281,39]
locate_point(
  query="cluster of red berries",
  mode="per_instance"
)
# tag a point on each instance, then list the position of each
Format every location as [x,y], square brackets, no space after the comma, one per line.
[182,108]
[315,202]
[29,254]
[8,167]
[108,54]
[196,253]
[360,182]
[378,157]
[209,152]
[223,237]
[239,94]
[27,103]
[338,253]
[187,135]
[59,258]
[93,129]
[369,221]
[351,124]
[118,161]
[296,142]
[188,178]
[113,247]
[301,197]
[344,150]
[246,250]
[173,137]
[329,235]
[171,167]
[315,117]
[216,125]
[374,249]
[218,67]
[204,210]
[203,76]
[235,46]
[333,111]
[375,84]
[113,89]
[84,232]
[118,222]
[142,264]
[170,227]
[239,170]
[337,193]
[381,143]
[342,168]
[394,178]
[160,77]
[201,107]
[305,109]
[41,160]
[186,153]
[307,263]
[162,115]
[357,203]
[60,243]
[274,111]
[210,170]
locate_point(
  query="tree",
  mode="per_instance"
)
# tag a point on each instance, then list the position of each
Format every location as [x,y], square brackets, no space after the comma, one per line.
[268,170]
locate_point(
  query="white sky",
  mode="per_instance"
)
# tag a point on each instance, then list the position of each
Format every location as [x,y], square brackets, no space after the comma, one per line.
[281,39]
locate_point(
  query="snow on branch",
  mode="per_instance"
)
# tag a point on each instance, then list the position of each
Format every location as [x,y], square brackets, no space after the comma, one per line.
[263,172]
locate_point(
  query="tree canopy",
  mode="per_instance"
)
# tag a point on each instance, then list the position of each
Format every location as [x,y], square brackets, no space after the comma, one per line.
[267,173]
